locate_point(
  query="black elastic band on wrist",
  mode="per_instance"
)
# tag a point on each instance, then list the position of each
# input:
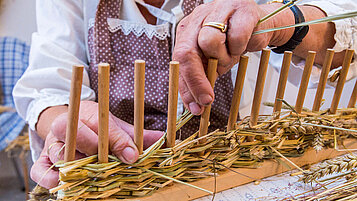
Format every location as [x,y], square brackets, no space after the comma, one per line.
[299,33]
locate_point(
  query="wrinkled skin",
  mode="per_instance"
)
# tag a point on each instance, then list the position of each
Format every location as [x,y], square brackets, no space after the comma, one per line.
[121,143]
[201,43]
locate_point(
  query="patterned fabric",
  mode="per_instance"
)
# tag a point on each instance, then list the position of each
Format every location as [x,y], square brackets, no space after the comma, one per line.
[13,62]
[121,49]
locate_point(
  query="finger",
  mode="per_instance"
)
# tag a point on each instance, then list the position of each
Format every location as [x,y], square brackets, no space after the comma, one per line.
[187,97]
[150,136]
[55,149]
[42,174]
[188,54]
[56,152]
[86,140]
[239,34]
[221,70]
[121,144]
[211,40]
[196,81]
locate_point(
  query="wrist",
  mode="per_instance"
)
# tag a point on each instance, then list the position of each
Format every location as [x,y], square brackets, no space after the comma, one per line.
[283,18]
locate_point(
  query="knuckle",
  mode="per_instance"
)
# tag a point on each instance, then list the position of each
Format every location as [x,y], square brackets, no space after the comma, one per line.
[119,142]
[239,39]
[181,53]
[58,126]
[210,41]
[186,96]
[197,12]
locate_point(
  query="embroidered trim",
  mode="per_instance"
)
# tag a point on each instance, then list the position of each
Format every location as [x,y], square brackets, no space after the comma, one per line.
[159,31]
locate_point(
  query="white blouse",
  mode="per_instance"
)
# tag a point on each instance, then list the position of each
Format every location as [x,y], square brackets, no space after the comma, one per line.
[61,41]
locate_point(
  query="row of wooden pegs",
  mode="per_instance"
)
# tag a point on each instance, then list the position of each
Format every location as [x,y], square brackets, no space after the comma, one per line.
[139,86]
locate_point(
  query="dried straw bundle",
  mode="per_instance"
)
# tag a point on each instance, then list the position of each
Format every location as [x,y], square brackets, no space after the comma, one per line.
[157,167]
[342,185]
[337,165]
[21,142]
[5,109]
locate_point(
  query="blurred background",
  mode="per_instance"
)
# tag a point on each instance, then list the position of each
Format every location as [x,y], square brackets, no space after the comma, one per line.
[17,23]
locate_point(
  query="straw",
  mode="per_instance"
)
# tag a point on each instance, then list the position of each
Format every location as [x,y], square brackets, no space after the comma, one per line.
[317,21]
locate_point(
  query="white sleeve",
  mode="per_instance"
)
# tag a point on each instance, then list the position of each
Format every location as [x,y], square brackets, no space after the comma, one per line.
[58,44]
[345,37]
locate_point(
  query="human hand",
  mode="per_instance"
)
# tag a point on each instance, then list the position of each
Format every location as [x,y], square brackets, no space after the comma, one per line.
[196,44]
[120,142]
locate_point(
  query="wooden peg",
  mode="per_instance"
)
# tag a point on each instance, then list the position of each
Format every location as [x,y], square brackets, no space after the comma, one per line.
[282,84]
[259,87]
[172,107]
[211,75]
[341,80]
[352,102]
[233,114]
[73,113]
[103,112]
[323,79]
[139,92]
[304,81]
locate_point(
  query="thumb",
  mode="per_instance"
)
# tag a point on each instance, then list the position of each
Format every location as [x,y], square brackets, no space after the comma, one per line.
[121,144]
[150,136]
[41,171]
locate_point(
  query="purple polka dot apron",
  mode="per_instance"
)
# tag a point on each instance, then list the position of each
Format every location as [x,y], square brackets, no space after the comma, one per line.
[120,48]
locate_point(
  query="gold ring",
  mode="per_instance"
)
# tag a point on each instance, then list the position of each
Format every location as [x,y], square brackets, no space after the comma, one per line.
[221,26]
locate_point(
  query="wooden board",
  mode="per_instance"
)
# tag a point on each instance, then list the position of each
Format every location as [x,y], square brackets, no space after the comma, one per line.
[229,179]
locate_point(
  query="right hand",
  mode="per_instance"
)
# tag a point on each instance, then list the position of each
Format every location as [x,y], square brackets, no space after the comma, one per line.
[120,142]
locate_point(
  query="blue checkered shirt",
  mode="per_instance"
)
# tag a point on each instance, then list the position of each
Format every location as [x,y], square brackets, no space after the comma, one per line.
[14,55]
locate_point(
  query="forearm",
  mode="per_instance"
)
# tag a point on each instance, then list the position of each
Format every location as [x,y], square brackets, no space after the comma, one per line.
[46,118]
[319,38]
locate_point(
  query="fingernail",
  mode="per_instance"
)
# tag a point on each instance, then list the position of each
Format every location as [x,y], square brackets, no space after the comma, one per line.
[129,154]
[205,99]
[194,108]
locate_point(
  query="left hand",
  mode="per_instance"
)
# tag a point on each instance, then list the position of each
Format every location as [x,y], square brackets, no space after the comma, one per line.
[195,44]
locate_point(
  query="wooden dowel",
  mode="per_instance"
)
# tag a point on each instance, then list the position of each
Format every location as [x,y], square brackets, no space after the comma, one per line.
[172,105]
[282,84]
[352,102]
[259,87]
[211,75]
[323,80]
[233,114]
[139,92]
[282,80]
[103,112]
[341,80]
[304,81]
[73,113]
